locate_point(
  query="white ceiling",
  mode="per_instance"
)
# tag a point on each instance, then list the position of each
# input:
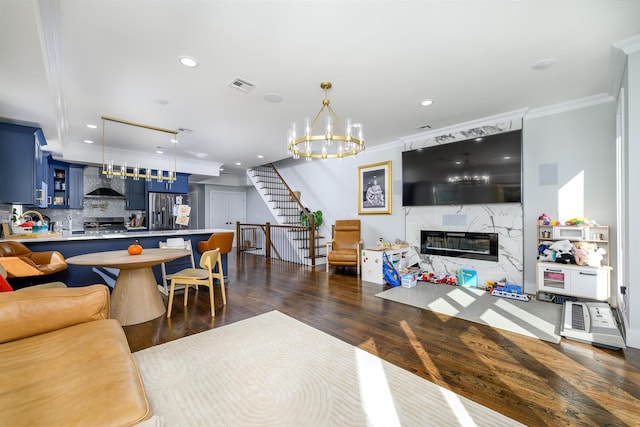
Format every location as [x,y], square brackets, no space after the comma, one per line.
[66,63]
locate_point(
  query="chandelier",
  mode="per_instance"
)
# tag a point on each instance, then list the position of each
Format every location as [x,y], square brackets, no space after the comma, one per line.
[111,170]
[327,138]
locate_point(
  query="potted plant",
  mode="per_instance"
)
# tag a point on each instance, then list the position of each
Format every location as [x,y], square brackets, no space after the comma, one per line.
[317,216]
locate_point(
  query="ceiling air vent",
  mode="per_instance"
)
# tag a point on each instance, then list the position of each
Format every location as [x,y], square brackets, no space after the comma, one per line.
[242,85]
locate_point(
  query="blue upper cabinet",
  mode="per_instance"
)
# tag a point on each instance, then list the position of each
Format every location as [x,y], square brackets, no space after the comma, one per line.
[58,180]
[22,176]
[76,184]
[180,185]
[42,169]
[65,185]
[135,195]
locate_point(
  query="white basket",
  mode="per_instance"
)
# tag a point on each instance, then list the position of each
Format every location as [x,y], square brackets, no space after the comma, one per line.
[16,229]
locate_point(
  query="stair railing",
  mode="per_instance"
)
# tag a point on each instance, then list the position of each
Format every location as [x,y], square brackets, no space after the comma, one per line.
[310,216]
[270,241]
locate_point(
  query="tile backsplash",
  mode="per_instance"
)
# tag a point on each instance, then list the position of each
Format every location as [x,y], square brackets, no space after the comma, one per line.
[101,207]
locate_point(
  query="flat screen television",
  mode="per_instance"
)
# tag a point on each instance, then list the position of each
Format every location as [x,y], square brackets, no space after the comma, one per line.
[474,171]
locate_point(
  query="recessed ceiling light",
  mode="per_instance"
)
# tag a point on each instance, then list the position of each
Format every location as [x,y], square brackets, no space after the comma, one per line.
[506,157]
[543,63]
[426,102]
[160,150]
[88,141]
[272,97]
[238,163]
[478,139]
[189,61]
[90,126]
[260,156]
[175,141]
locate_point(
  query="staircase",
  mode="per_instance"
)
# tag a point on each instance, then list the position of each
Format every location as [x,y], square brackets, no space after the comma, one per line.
[286,207]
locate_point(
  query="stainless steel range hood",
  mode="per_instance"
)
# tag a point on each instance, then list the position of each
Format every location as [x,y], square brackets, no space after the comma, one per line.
[104,192]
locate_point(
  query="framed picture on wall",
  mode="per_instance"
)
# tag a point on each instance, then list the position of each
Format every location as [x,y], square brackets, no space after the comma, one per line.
[374,188]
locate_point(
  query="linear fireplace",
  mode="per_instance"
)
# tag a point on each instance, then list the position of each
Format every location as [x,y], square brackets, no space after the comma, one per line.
[483,246]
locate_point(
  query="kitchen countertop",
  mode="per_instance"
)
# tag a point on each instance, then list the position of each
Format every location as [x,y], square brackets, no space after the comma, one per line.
[129,235]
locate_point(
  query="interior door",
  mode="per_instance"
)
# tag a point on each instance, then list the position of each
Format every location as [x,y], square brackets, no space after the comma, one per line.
[227,208]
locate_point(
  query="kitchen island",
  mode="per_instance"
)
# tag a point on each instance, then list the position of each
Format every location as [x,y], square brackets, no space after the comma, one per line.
[79,244]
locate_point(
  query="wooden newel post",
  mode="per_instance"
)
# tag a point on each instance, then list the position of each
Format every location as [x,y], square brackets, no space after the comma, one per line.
[312,239]
[267,241]
[238,238]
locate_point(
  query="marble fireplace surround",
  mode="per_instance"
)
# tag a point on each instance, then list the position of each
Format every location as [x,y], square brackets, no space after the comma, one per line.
[504,219]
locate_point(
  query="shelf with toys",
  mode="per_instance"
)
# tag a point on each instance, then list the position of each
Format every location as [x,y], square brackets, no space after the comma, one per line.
[573,258]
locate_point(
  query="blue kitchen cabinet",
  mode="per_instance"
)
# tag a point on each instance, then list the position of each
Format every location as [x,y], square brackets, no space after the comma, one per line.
[22,177]
[135,195]
[65,185]
[76,186]
[180,185]
[41,169]
[58,180]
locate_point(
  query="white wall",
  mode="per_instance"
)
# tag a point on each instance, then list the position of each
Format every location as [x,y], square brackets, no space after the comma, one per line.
[577,145]
[257,211]
[576,140]
[332,186]
[630,235]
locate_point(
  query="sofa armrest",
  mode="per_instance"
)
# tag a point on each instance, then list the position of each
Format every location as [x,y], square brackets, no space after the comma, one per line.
[25,314]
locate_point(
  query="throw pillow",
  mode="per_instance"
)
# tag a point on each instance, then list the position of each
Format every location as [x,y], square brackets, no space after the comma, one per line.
[4,285]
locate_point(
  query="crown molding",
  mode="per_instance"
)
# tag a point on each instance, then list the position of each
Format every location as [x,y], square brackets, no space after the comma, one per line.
[564,107]
[510,116]
[618,61]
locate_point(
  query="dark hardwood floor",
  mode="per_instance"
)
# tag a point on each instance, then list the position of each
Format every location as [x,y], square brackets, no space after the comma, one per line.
[529,380]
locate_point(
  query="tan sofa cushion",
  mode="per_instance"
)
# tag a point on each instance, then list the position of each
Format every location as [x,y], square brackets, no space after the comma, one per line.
[83,375]
[64,363]
[23,314]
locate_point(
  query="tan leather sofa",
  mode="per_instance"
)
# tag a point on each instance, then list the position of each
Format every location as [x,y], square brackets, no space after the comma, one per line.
[20,261]
[63,362]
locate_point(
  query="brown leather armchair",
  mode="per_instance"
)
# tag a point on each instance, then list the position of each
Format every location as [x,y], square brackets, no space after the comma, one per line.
[20,261]
[344,249]
[222,240]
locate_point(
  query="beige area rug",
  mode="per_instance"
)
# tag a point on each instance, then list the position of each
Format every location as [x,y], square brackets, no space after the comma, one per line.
[537,319]
[272,370]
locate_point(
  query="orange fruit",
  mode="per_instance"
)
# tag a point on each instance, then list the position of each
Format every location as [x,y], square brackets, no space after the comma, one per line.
[135,249]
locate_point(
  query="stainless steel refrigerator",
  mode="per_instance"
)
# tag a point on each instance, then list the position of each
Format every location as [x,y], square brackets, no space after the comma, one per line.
[163,210]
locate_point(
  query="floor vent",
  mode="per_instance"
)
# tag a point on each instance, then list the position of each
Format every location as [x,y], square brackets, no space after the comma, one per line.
[242,85]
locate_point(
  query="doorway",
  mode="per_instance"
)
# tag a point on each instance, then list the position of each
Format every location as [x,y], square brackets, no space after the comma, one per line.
[227,208]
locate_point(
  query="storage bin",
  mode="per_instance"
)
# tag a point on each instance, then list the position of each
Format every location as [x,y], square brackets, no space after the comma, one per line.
[408,280]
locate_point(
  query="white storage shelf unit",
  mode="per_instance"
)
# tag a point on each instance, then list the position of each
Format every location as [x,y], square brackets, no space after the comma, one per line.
[575,280]
[372,263]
